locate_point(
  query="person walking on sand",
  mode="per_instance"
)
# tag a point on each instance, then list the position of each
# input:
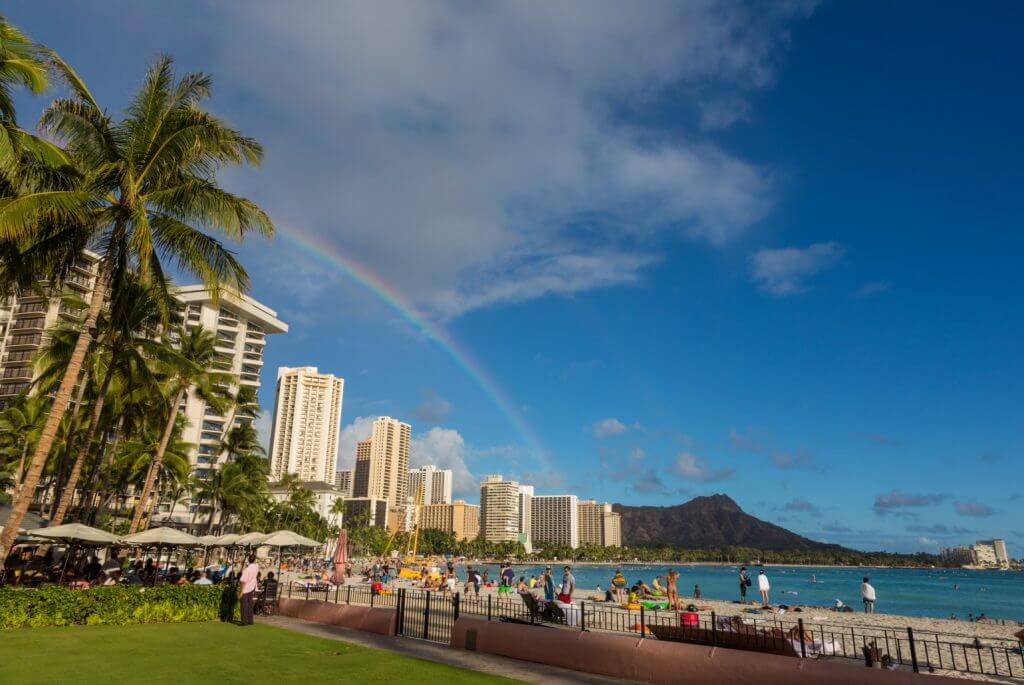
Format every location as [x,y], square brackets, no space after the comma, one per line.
[867,593]
[744,584]
[671,592]
[764,586]
[249,580]
[568,586]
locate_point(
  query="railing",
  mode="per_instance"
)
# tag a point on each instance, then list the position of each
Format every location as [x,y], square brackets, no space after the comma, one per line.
[430,615]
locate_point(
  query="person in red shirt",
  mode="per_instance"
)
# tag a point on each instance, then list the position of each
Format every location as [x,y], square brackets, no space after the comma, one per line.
[250,577]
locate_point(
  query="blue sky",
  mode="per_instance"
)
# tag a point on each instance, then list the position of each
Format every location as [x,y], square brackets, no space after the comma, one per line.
[771,250]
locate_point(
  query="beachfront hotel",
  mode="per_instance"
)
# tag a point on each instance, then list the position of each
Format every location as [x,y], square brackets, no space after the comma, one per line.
[599,525]
[382,469]
[499,510]
[373,509]
[611,526]
[459,518]
[526,516]
[431,485]
[555,520]
[25,318]
[982,554]
[307,419]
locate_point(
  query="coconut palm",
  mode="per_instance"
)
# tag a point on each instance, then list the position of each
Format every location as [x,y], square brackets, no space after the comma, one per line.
[144,184]
[188,371]
[241,440]
[20,426]
[125,347]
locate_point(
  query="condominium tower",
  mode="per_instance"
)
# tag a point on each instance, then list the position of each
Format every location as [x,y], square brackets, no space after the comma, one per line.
[591,521]
[499,510]
[611,527]
[525,516]
[431,485]
[458,518]
[25,318]
[555,520]
[307,419]
[382,463]
[343,481]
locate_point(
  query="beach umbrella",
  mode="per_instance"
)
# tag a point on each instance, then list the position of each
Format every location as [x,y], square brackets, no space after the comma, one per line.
[254,538]
[287,538]
[76,533]
[228,540]
[340,557]
[209,540]
[163,537]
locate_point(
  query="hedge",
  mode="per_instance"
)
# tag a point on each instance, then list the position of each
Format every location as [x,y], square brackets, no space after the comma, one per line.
[118,605]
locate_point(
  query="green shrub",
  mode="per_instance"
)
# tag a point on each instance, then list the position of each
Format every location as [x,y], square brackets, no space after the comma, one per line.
[118,605]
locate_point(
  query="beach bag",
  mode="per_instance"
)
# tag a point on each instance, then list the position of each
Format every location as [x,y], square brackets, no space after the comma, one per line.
[749,582]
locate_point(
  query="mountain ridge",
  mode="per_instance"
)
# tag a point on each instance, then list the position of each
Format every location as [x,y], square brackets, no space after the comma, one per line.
[707,521]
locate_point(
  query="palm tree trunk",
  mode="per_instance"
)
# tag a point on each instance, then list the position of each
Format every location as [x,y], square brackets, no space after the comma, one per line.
[158,460]
[21,468]
[84,449]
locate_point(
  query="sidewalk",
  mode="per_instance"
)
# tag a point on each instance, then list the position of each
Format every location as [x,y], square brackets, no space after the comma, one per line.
[526,671]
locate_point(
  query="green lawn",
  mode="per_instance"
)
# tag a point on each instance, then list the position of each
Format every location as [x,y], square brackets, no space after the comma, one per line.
[206,653]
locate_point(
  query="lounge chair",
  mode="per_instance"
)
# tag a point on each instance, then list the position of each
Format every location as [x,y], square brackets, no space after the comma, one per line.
[551,613]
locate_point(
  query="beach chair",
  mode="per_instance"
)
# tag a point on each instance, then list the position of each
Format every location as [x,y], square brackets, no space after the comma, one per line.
[551,613]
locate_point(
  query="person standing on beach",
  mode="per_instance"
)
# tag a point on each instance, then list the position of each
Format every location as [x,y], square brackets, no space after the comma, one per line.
[867,593]
[250,577]
[671,592]
[549,585]
[744,584]
[764,586]
[568,586]
[619,585]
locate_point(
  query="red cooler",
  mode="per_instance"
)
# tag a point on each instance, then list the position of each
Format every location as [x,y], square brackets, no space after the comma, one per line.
[689,619]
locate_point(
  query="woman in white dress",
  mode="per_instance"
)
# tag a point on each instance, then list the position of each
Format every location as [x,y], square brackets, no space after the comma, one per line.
[764,586]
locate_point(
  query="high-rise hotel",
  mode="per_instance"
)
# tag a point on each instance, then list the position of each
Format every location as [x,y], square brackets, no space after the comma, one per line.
[307,419]
[499,510]
[382,463]
[430,485]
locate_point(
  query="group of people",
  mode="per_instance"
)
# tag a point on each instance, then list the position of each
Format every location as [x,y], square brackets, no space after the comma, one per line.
[867,591]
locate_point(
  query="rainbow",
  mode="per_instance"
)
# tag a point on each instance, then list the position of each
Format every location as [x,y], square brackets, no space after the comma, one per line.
[334,258]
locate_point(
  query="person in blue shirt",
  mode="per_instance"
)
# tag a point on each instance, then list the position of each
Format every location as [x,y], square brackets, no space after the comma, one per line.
[549,585]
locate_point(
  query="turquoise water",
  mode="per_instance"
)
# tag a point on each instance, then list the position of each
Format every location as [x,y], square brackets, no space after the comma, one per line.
[913,592]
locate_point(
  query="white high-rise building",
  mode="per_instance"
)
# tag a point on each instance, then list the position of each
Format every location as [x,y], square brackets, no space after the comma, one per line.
[435,484]
[382,463]
[25,318]
[307,419]
[499,510]
[241,325]
[525,516]
[555,520]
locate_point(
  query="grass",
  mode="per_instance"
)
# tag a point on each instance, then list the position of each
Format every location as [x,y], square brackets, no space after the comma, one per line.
[206,653]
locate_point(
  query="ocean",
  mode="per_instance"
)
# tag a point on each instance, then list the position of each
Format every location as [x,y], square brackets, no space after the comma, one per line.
[936,593]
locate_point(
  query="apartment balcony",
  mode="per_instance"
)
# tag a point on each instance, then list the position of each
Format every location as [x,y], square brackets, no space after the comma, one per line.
[25,340]
[249,379]
[21,373]
[84,267]
[9,389]
[38,307]
[28,325]
[19,356]
[78,281]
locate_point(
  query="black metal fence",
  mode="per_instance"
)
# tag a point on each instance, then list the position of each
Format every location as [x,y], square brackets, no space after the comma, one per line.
[428,615]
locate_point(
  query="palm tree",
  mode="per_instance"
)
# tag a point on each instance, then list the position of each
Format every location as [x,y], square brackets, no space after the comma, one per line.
[241,440]
[144,184]
[188,371]
[127,344]
[20,425]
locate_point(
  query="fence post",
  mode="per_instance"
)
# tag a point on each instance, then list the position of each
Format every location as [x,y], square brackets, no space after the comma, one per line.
[913,649]
[803,646]
[372,593]
[455,608]
[583,615]
[307,592]
[337,591]
[398,613]
[290,588]
[401,614]
[488,607]
[348,595]
[426,614]
[714,629]
[643,626]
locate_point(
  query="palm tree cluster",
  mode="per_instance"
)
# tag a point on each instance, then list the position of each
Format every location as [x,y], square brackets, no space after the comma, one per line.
[139,190]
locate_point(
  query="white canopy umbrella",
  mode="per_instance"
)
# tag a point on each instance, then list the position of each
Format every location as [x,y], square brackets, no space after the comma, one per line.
[251,539]
[287,538]
[209,540]
[227,540]
[76,532]
[163,537]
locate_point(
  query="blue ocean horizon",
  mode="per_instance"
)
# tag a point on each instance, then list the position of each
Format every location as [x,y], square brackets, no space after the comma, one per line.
[934,593]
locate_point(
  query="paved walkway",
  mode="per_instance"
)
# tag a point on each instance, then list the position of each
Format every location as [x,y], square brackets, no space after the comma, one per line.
[527,671]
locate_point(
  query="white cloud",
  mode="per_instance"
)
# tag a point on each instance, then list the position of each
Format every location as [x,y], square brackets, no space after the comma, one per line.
[785,271]
[476,154]
[609,427]
[694,468]
[446,449]
[433,408]
[359,429]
